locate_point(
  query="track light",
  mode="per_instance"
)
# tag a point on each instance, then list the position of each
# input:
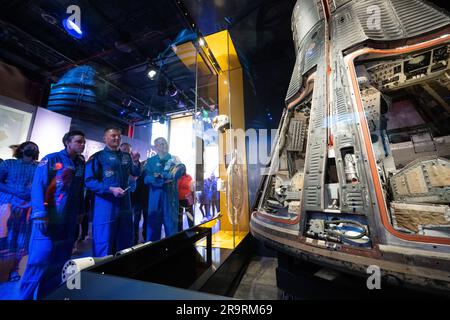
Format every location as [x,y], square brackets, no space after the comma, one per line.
[172,90]
[152,73]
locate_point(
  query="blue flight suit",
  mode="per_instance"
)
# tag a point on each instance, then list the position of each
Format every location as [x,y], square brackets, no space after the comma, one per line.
[163,197]
[57,195]
[112,224]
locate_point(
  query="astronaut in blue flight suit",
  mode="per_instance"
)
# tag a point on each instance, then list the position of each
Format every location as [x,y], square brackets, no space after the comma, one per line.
[56,199]
[108,177]
[161,173]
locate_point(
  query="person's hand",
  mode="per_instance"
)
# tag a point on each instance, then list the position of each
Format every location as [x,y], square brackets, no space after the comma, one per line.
[117,191]
[41,224]
[135,156]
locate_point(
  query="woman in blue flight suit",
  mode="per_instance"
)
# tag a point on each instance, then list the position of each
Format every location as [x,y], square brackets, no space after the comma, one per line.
[107,176]
[161,173]
[16,176]
[56,198]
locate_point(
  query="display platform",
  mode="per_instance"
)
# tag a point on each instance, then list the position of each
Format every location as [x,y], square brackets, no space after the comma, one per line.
[224,239]
[95,286]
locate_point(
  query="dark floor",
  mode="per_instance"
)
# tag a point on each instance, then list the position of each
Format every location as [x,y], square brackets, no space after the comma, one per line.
[259,281]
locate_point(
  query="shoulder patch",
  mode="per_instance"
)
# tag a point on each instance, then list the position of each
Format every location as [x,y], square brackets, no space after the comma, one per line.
[43,162]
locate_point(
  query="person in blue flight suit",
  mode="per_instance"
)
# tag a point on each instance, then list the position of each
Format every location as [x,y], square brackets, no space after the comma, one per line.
[16,176]
[56,199]
[161,174]
[108,177]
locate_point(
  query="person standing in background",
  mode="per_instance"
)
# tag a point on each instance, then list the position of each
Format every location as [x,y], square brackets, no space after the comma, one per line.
[186,199]
[16,177]
[205,199]
[215,195]
[139,199]
[139,202]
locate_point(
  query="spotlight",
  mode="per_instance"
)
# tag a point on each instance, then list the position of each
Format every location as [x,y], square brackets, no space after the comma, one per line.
[201,42]
[181,104]
[172,91]
[152,73]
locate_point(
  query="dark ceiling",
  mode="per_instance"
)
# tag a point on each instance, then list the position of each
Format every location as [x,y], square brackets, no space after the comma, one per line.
[121,39]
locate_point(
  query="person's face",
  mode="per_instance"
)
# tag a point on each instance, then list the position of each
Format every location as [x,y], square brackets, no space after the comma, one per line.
[161,146]
[112,138]
[76,144]
[125,148]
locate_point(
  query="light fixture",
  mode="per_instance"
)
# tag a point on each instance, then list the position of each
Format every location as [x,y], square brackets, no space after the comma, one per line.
[152,73]
[201,42]
[181,104]
[172,90]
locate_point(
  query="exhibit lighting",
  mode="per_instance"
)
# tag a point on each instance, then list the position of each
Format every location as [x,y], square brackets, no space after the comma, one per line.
[172,91]
[201,42]
[151,73]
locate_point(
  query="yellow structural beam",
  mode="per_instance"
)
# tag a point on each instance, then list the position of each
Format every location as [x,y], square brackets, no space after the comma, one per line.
[231,103]
[223,50]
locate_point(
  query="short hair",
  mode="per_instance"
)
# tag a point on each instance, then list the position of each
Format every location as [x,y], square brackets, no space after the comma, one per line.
[68,136]
[112,128]
[18,152]
[160,138]
[125,144]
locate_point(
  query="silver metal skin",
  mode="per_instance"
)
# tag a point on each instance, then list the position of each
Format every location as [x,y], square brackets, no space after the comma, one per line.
[353,58]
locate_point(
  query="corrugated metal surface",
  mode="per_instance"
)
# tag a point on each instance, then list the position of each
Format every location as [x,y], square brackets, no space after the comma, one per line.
[384,20]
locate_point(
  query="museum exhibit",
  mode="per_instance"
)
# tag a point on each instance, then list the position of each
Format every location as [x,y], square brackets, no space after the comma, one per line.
[224,150]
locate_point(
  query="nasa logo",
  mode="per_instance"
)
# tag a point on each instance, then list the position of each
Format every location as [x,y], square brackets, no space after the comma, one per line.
[58,166]
[108,173]
[43,162]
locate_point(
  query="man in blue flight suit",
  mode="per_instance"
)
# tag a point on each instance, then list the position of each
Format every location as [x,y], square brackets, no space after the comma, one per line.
[108,177]
[161,173]
[56,199]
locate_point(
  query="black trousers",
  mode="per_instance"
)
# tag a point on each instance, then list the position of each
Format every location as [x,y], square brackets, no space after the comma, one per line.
[183,204]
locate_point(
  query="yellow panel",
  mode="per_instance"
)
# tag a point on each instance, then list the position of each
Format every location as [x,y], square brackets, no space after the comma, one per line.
[224,239]
[416,181]
[400,185]
[439,175]
[186,52]
[220,48]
